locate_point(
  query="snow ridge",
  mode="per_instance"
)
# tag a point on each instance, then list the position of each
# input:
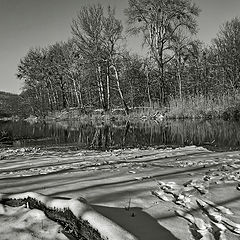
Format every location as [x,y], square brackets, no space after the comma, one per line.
[75,214]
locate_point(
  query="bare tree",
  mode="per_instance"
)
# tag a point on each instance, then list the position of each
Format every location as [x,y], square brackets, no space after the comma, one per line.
[97,37]
[112,34]
[227,45]
[159,21]
[87,28]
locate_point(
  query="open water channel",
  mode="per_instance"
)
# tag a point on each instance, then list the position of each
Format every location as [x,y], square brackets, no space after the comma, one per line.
[216,135]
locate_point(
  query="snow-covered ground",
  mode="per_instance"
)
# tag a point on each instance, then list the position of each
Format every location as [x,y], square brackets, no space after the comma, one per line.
[169,194]
[25,224]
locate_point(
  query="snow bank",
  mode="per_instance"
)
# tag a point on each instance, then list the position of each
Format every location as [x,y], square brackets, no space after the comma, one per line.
[81,209]
[24,224]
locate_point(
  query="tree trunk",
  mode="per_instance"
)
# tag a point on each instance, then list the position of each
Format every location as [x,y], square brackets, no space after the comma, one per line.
[163,87]
[180,85]
[49,99]
[76,92]
[108,89]
[179,77]
[64,99]
[53,95]
[80,96]
[148,89]
[120,90]
[132,96]
[100,87]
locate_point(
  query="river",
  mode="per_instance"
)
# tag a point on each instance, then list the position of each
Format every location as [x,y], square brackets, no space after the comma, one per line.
[218,135]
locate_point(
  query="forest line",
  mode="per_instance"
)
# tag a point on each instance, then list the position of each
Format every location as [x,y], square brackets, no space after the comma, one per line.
[94,70]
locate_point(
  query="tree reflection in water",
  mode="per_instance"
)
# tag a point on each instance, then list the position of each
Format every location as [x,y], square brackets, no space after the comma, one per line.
[217,134]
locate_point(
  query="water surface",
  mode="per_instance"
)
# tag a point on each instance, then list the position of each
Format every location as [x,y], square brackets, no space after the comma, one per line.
[214,134]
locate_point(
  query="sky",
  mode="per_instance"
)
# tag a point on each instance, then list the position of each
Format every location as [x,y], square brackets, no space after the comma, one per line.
[38,23]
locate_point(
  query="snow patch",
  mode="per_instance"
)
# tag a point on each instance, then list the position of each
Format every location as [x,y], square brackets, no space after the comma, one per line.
[81,209]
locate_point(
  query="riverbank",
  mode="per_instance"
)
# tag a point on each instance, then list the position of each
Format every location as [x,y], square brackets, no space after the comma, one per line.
[226,107]
[182,193]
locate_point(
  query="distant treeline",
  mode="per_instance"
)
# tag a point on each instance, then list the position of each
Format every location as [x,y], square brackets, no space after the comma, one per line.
[10,105]
[94,69]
